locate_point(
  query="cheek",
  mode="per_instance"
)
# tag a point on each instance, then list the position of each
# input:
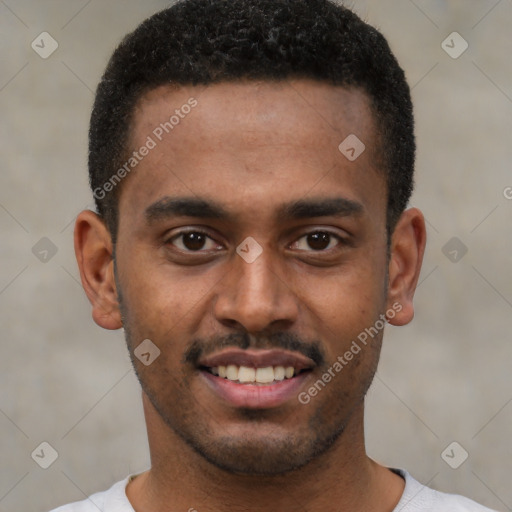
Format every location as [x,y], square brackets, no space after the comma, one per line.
[340,307]
[158,296]
[357,294]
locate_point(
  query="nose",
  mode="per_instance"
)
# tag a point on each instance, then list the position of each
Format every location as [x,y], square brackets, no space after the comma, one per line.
[255,296]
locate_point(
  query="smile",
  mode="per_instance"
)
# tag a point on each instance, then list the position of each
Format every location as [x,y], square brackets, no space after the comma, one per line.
[255,378]
[245,374]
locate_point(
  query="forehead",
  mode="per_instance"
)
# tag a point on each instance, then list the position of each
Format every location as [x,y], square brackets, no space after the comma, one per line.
[265,107]
[256,140]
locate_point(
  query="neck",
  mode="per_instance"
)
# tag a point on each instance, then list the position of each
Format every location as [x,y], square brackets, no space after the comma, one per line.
[344,478]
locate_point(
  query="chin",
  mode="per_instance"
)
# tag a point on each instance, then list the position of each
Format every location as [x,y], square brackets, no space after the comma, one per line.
[255,458]
[265,452]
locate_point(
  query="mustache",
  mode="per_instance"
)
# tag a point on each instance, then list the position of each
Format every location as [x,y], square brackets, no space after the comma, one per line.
[286,341]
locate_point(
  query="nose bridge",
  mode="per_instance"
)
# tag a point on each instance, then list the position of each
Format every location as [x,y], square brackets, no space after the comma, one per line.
[254,295]
[257,279]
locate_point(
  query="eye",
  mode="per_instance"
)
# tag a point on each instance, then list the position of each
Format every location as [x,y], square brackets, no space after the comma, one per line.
[199,241]
[317,241]
[192,241]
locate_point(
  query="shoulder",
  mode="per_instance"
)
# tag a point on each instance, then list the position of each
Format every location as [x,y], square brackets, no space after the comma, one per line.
[456,503]
[112,500]
[419,498]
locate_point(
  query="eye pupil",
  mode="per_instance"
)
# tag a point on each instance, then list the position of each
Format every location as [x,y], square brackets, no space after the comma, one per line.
[319,241]
[193,241]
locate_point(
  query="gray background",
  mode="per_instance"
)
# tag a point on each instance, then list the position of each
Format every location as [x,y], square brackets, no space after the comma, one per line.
[443,378]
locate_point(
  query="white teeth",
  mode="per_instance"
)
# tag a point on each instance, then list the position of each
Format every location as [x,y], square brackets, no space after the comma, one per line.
[279,373]
[232,372]
[245,374]
[265,375]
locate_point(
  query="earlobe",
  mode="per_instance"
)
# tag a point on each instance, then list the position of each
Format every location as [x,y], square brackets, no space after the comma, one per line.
[94,254]
[407,249]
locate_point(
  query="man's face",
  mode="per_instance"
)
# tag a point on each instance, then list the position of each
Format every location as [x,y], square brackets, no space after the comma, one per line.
[253,150]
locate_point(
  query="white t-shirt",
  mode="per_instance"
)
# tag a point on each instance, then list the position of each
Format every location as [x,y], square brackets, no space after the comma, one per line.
[416,498]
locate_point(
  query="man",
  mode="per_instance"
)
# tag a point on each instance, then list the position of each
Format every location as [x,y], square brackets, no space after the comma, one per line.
[252,161]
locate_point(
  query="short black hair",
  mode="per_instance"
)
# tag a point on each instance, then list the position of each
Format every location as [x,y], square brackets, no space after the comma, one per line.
[201,42]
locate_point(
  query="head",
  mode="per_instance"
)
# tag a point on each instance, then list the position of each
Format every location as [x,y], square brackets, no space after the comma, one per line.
[232,215]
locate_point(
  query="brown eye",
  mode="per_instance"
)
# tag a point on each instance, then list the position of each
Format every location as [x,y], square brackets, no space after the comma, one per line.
[192,241]
[317,241]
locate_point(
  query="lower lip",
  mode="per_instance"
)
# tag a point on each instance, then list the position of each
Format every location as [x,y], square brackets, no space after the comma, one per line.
[255,396]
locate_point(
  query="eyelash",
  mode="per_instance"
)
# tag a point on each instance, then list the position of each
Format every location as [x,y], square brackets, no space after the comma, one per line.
[176,236]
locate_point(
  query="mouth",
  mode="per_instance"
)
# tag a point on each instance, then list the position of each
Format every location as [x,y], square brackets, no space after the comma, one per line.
[258,376]
[255,378]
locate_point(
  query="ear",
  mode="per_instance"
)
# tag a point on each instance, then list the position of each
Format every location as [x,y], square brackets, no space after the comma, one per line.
[407,249]
[94,254]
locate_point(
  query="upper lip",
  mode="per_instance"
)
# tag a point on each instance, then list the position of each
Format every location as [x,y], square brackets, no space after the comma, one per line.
[257,358]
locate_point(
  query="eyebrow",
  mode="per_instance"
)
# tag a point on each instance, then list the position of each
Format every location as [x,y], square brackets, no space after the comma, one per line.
[169,207]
